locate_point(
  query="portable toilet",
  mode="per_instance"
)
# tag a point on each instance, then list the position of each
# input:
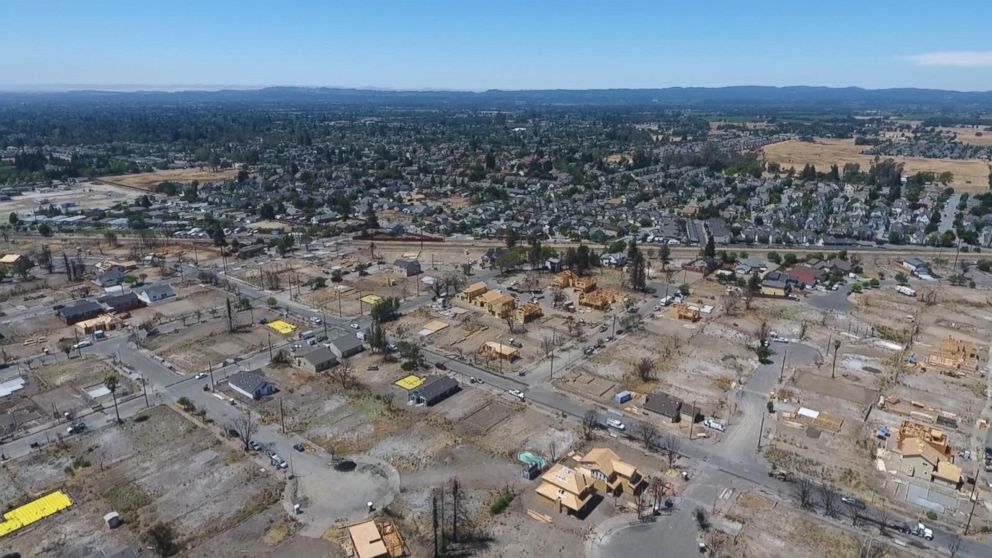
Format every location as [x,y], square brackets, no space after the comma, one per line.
[622,397]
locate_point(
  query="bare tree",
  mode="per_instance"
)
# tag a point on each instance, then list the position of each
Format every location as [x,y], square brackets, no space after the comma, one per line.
[553,451]
[671,448]
[804,490]
[871,548]
[245,426]
[764,330]
[732,303]
[644,368]
[954,546]
[547,345]
[343,374]
[589,423]
[649,436]
[702,519]
[829,500]
[882,518]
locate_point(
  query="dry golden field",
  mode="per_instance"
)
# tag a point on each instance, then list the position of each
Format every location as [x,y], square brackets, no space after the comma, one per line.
[969,175]
[148,180]
[969,134]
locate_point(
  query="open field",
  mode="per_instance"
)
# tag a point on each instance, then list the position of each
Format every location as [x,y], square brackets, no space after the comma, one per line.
[972,135]
[85,195]
[969,175]
[148,180]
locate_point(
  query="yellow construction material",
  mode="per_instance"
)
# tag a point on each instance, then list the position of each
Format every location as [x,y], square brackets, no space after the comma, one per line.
[282,327]
[371,299]
[34,511]
[410,382]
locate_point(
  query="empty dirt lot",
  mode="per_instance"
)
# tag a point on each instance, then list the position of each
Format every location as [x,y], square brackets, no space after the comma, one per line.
[969,175]
[148,180]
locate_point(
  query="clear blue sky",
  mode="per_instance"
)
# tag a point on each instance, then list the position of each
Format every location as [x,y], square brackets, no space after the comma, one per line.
[508,44]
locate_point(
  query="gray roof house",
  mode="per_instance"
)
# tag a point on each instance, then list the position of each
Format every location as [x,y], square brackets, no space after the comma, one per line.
[408,268]
[251,383]
[82,310]
[664,405]
[317,360]
[154,293]
[434,391]
[345,346]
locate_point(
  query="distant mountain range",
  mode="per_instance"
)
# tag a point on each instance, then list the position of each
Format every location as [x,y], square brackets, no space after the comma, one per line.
[737,97]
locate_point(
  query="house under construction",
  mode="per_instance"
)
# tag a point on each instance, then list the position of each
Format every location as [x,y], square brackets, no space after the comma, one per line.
[954,354]
[600,299]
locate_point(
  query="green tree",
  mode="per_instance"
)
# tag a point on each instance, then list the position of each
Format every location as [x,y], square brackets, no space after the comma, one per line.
[110,382]
[774,257]
[13,219]
[665,255]
[44,229]
[638,267]
[511,237]
[710,250]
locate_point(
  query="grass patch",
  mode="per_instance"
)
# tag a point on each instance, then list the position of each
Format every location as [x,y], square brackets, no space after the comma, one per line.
[501,502]
[126,498]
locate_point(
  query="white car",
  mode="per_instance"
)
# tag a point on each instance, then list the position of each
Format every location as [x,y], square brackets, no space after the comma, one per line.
[354,326]
[82,344]
[200,376]
[516,393]
[315,320]
[614,423]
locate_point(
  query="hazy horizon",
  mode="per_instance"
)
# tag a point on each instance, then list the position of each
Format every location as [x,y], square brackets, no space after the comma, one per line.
[515,45]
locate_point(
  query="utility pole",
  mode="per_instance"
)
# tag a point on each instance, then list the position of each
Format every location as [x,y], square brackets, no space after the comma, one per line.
[210,368]
[692,420]
[282,417]
[269,335]
[434,513]
[552,364]
[144,390]
[781,375]
[974,501]
[340,314]
[761,429]
[323,319]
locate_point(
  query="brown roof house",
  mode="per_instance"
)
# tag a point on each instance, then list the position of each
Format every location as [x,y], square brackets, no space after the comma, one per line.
[919,459]
[472,292]
[609,473]
[496,304]
[567,489]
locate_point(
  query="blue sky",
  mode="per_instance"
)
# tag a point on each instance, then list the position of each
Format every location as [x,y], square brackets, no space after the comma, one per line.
[506,44]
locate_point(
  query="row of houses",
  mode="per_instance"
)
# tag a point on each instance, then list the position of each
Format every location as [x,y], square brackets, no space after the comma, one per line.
[115,303]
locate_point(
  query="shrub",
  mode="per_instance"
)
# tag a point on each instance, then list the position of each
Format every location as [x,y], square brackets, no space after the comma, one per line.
[501,503]
[931,515]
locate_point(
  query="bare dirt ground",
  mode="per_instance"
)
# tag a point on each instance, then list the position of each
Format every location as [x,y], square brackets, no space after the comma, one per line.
[148,180]
[775,531]
[132,469]
[969,175]
[85,195]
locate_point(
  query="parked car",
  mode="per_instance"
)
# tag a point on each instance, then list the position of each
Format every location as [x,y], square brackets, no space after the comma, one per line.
[713,425]
[255,446]
[82,344]
[200,376]
[515,343]
[299,447]
[315,320]
[516,393]
[278,461]
[353,325]
[853,502]
[440,366]
[76,428]
[614,423]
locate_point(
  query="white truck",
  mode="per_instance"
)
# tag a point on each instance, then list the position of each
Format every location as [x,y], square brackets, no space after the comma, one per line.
[903,289]
[918,530]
